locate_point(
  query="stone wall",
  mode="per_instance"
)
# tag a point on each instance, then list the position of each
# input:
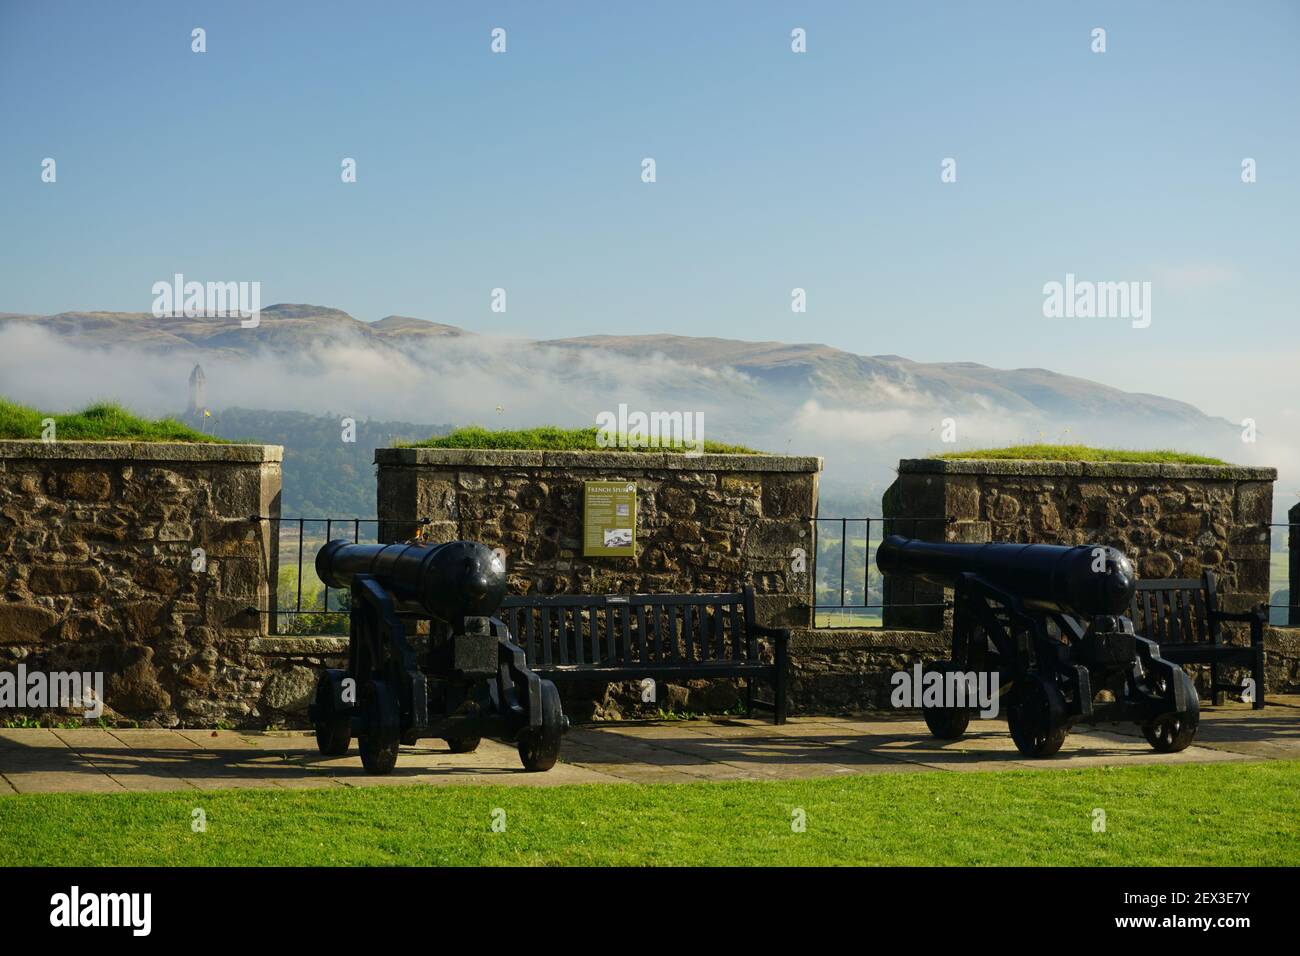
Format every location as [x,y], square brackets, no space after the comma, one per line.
[1171,520]
[705,523]
[98,575]
[848,670]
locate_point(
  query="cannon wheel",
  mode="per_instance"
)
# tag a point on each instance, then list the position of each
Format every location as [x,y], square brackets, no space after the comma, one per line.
[539,747]
[334,731]
[1175,732]
[463,745]
[382,736]
[1036,716]
[946,723]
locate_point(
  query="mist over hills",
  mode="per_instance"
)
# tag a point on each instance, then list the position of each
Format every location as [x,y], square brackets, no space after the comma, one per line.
[861,412]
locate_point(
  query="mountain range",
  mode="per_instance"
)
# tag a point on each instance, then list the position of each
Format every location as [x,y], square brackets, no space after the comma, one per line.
[813,370]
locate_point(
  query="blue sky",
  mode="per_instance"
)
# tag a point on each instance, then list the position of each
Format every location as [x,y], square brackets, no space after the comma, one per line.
[775,170]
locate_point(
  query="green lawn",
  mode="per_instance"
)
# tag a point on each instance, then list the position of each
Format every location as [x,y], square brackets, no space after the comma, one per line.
[550,438]
[1207,814]
[101,422]
[1085,453]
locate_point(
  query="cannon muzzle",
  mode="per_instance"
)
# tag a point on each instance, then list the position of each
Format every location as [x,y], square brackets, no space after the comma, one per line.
[1085,581]
[450,581]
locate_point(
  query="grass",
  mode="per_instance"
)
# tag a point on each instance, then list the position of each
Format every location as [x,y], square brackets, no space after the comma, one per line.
[550,438]
[1086,453]
[98,422]
[1238,814]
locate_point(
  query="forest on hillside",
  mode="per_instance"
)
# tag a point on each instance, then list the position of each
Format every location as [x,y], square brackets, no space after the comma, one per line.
[324,476]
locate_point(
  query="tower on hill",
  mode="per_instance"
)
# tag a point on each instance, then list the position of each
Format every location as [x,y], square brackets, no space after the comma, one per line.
[198,389]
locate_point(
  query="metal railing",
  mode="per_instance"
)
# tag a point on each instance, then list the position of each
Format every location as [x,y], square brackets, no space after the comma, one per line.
[291,536]
[1292,608]
[851,577]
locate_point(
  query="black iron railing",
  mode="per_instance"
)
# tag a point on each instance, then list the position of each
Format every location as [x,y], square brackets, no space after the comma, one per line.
[847,589]
[1291,575]
[299,601]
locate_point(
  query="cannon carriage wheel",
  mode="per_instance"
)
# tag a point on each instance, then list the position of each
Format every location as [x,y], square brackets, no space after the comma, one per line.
[333,722]
[539,747]
[1036,716]
[945,723]
[1175,732]
[381,734]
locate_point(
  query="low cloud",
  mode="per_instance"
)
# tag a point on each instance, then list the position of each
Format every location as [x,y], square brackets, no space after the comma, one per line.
[511,383]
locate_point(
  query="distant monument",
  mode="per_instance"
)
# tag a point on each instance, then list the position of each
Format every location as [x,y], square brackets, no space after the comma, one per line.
[198,397]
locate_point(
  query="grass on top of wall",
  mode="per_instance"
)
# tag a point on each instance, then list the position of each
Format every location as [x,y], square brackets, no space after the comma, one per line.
[1086,453]
[550,438]
[103,421]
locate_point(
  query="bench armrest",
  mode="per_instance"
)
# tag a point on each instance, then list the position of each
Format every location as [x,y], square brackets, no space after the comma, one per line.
[1255,618]
[779,634]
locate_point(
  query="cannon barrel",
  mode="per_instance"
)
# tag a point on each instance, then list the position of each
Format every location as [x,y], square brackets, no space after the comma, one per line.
[1044,576]
[450,581]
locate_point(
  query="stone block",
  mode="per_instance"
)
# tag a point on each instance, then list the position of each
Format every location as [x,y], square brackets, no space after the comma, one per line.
[25,623]
[241,578]
[962,498]
[64,579]
[86,485]
[1254,503]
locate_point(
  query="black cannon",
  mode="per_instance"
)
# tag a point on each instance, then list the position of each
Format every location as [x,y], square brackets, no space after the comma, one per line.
[1049,622]
[475,681]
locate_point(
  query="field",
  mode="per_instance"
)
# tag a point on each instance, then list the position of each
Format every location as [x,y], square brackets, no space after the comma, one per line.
[1190,814]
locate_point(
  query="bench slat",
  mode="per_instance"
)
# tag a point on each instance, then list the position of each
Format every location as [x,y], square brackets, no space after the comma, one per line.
[1189,628]
[1203,617]
[548,637]
[640,632]
[1174,625]
[1175,611]
[609,655]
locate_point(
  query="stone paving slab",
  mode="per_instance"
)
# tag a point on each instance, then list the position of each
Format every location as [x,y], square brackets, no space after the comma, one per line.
[35,760]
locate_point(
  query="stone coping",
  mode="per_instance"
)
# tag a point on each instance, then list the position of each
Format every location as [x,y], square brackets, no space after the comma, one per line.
[1280,640]
[849,638]
[140,451]
[1085,469]
[596,460]
[311,645]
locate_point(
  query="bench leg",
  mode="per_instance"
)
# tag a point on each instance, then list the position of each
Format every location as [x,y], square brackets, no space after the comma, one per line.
[1257,671]
[782,660]
[749,697]
[1216,695]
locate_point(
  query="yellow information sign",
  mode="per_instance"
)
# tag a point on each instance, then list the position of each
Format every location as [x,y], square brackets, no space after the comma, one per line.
[609,519]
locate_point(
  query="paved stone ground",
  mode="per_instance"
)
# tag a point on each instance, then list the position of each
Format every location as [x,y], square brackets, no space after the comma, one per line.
[114,761]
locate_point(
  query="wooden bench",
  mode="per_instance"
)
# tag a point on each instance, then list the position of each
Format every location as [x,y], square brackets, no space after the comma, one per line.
[617,637]
[1182,615]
